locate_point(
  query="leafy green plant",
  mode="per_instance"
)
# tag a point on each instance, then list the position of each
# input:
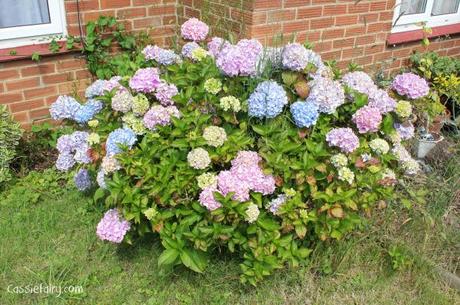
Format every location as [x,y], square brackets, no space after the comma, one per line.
[10,133]
[400,259]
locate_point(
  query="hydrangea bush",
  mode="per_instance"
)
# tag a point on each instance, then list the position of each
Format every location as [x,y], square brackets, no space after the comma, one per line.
[255,151]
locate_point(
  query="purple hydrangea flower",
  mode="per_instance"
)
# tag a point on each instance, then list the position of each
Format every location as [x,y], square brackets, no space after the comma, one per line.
[275,204]
[165,92]
[304,114]
[410,85]
[344,138]
[82,180]
[161,56]
[230,60]
[267,100]
[160,115]
[112,227]
[207,198]
[65,107]
[382,101]
[405,131]
[250,49]
[296,57]
[359,81]
[194,29]
[120,136]
[64,144]
[65,161]
[145,80]
[327,94]
[112,83]
[188,49]
[216,45]
[367,119]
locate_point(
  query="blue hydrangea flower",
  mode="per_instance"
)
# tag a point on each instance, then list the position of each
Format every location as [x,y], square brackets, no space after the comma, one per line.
[65,162]
[121,136]
[65,107]
[82,180]
[88,111]
[267,100]
[100,179]
[304,114]
[95,89]
[188,48]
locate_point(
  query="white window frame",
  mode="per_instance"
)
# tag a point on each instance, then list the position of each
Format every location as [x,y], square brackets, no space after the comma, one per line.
[415,21]
[38,33]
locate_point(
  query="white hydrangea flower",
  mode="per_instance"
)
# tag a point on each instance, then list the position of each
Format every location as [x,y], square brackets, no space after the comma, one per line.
[379,146]
[207,180]
[345,174]
[215,136]
[198,158]
[339,160]
[230,103]
[252,213]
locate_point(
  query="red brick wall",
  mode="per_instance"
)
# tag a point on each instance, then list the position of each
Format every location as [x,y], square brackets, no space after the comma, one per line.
[342,30]
[28,87]
[339,30]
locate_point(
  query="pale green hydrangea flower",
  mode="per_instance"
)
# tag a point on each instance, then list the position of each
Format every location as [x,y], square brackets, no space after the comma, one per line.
[213,86]
[198,158]
[345,174]
[207,180]
[252,213]
[403,109]
[215,136]
[339,160]
[230,103]
[379,146]
[140,105]
[199,54]
[93,123]
[93,138]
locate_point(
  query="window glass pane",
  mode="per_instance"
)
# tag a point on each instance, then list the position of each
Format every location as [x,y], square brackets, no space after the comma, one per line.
[409,7]
[23,12]
[442,7]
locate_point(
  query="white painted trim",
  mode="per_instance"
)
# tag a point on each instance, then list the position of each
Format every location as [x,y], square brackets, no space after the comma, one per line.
[414,22]
[33,34]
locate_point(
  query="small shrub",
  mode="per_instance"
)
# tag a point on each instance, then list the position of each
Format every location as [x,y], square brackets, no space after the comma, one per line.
[10,133]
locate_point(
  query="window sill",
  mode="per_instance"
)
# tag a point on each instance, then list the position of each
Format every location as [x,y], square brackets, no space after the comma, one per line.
[410,36]
[26,52]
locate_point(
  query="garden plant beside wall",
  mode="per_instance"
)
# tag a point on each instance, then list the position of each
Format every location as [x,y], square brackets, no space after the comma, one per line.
[237,148]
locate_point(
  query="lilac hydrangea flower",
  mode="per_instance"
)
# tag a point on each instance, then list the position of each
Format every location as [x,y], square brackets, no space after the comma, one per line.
[327,94]
[207,198]
[88,111]
[64,144]
[194,29]
[382,101]
[230,60]
[410,85]
[100,179]
[160,55]
[120,136]
[160,115]
[165,92]
[250,49]
[367,119]
[405,131]
[112,227]
[275,204]
[344,138]
[304,114]
[65,161]
[216,45]
[145,80]
[188,48]
[65,107]
[296,57]
[95,89]
[267,100]
[112,83]
[82,180]
[359,81]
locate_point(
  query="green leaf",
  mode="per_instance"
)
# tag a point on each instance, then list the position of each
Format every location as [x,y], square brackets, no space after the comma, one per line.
[193,259]
[168,257]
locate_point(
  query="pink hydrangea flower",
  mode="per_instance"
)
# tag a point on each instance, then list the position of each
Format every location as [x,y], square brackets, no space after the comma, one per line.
[207,198]
[194,29]
[367,119]
[216,45]
[112,227]
[410,85]
[145,80]
[382,101]
[343,138]
[165,92]
[159,115]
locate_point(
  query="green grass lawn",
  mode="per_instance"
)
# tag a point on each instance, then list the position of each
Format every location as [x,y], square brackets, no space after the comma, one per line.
[48,236]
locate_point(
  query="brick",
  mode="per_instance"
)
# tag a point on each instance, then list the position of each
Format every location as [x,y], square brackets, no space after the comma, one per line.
[70,64]
[363,40]
[343,43]
[131,12]
[114,3]
[259,17]
[295,26]
[378,6]
[147,22]
[23,84]
[295,3]
[38,69]
[23,106]
[41,113]
[32,93]
[352,53]
[85,5]
[58,78]
[162,10]
[368,18]
[146,2]
[21,117]
[334,10]
[281,15]
[331,55]
[93,16]
[355,31]
[374,49]
[321,23]
[346,20]
[358,8]
[332,34]
[8,98]
[309,12]
[6,74]
[267,4]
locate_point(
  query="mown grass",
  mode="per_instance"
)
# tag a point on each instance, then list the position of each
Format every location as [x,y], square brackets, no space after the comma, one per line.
[47,233]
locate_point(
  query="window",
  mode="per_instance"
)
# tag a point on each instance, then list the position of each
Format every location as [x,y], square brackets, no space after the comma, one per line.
[411,14]
[24,22]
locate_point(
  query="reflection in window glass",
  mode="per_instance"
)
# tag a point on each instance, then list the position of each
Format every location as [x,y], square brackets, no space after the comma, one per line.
[409,7]
[443,7]
[15,13]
